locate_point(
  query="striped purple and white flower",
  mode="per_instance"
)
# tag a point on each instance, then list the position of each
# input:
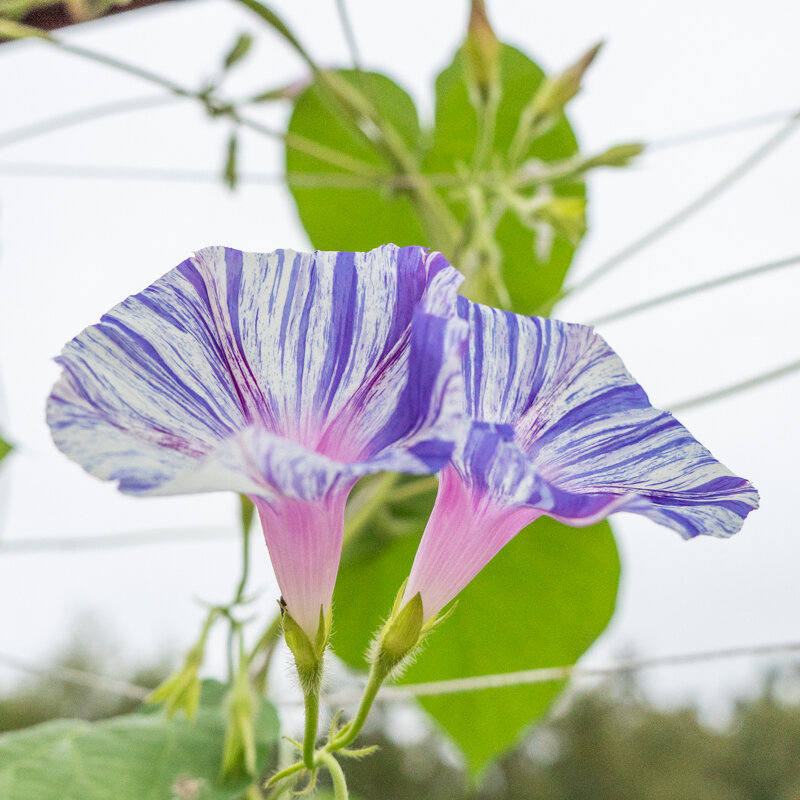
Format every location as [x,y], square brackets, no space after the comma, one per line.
[560,428]
[284,376]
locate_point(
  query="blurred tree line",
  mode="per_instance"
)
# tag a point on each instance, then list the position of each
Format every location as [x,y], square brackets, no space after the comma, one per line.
[605,743]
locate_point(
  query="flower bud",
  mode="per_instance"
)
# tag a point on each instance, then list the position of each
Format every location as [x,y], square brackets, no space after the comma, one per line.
[556,92]
[618,156]
[481,50]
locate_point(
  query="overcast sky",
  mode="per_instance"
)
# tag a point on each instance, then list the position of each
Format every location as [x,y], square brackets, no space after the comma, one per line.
[71,248]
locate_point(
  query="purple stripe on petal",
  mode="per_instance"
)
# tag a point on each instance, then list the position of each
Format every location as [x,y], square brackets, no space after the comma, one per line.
[285,376]
[587,429]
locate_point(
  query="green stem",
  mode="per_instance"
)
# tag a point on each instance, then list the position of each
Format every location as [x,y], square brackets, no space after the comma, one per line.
[311,697]
[267,643]
[414,489]
[245,564]
[374,500]
[377,676]
[287,772]
[337,775]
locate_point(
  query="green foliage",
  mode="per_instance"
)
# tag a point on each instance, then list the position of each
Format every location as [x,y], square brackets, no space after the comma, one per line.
[529,278]
[140,756]
[540,603]
[239,49]
[324,179]
[351,192]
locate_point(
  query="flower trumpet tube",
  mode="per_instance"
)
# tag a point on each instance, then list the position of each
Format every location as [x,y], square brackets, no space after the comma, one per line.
[284,376]
[559,427]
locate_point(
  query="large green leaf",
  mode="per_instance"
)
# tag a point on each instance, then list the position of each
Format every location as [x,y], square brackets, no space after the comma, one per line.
[542,601]
[338,217]
[5,448]
[530,281]
[141,756]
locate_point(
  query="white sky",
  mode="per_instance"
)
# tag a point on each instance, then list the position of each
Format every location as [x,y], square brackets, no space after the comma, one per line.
[70,249]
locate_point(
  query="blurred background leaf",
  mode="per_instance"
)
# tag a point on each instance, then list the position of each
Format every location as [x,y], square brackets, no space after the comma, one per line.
[334,212]
[139,756]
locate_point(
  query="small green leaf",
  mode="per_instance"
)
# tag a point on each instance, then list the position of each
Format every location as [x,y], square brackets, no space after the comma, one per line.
[241,47]
[540,603]
[142,756]
[231,172]
[5,448]
[16,30]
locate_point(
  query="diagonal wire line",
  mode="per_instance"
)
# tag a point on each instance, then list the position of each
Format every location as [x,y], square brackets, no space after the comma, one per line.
[90,114]
[723,129]
[706,197]
[349,34]
[433,688]
[697,288]
[79,677]
[550,674]
[736,388]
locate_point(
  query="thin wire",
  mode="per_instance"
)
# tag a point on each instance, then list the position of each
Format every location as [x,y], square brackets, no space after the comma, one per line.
[724,129]
[432,688]
[113,541]
[79,677]
[324,180]
[697,288]
[550,674]
[736,388]
[705,198]
[349,35]
[90,114]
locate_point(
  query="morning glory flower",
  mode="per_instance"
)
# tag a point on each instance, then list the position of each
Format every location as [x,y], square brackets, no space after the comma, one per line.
[560,428]
[284,376]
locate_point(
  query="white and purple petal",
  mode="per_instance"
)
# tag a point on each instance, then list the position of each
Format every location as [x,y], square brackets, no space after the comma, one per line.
[559,427]
[588,431]
[286,376]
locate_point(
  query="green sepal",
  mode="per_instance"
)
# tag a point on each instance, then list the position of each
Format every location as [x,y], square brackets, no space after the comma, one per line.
[438,619]
[401,635]
[307,655]
[360,752]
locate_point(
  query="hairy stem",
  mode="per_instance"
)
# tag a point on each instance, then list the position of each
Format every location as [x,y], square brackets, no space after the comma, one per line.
[377,675]
[311,697]
[337,775]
